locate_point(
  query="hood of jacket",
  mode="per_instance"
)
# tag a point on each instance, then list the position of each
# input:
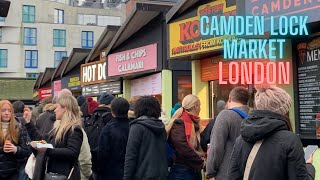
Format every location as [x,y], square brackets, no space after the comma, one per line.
[155,125]
[260,124]
[50,107]
[101,109]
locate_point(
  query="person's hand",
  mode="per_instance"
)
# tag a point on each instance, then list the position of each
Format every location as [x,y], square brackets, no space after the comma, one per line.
[27,114]
[9,147]
[310,160]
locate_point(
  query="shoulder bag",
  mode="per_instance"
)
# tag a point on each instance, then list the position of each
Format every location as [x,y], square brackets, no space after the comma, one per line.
[56,176]
[251,158]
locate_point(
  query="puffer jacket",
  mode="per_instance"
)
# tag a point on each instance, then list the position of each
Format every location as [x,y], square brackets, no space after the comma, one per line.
[280,156]
[9,161]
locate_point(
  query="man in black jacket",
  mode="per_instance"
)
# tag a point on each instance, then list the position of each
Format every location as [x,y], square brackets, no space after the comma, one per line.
[146,156]
[113,142]
[104,112]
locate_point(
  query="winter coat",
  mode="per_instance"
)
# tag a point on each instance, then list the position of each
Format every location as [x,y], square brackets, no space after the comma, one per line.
[101,110]
[146,156]
[280,156]
[112,149]
[9,161]
[205,135]
[65,154]
[85,163]
[45,121]
[225,131]
[184,154]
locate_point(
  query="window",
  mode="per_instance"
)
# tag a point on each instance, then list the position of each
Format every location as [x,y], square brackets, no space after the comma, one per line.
[87,39]
[31,59]
[30,36]
[2,19]
[58,16]
[32,75]
[59,38]
[28,14]
[58,55]
[3,57]
[86,19]
[109,20]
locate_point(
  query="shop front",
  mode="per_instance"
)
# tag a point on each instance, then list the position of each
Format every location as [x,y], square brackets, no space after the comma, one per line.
[304,53]
[137,55]
[94,81]
[56,77]
[45,87]
[70,75]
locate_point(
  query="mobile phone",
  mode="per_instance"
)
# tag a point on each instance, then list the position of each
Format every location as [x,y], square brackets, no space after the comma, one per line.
[311,149]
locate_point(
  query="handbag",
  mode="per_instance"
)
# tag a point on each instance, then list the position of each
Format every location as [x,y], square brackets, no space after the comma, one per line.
[56,176]
[251,158]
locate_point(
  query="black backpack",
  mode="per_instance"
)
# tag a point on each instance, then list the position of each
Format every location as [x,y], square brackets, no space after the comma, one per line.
[93,126]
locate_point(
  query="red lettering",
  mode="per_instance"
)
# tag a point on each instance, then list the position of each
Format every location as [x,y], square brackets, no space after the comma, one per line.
[286,5]
[275,5]
[297,3]
[194,29]
[254,10]
[184,31]
[264,9]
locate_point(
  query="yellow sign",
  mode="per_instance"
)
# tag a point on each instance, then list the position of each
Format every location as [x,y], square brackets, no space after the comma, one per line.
[185,37]
[75,81]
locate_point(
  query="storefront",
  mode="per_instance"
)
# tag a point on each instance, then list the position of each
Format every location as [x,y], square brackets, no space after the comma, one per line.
[56,77]
[70,76]
[94,81]
[304,52]
[137,55]
[186,43]
[45,88]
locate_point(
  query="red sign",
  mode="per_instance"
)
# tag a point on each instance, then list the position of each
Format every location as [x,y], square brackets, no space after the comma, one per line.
[134,60]
[44,92]
[56,87]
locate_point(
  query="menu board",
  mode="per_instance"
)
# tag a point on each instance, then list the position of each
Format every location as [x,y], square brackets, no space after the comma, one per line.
[309,88]
[98,89]
[149,85]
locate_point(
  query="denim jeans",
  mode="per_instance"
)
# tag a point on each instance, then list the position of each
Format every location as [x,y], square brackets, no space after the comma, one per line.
[22,173]
[179,172]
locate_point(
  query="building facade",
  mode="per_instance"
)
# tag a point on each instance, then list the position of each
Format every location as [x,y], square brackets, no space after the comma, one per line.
[36,34]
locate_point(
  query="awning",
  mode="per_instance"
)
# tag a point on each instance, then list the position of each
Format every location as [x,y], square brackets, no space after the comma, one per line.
[16,88]
[103,42]
[180,7]
[58,71]
[46,77]
[77,55]
[37,83]
[142,14]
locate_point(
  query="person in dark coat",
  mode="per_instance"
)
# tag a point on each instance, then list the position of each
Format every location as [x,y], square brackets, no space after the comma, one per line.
[206,133]
[281,155]
[45,121]
[13,143]
[113,142]
[18,107]
[66,138]
[146,156]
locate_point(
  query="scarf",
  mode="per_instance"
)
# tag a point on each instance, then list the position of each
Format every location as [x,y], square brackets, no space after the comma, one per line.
[5,127]
[192,129]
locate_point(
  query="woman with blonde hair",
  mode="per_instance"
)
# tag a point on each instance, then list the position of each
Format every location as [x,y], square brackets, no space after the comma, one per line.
[13,142]
[66,138]
[184,136]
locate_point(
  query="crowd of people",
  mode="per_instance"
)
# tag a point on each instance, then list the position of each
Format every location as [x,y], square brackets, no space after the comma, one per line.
[115,139]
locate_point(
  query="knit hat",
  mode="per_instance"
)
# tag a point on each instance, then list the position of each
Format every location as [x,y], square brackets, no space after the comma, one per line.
[81,100]
[106,98]
[273,99]
[92,105]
